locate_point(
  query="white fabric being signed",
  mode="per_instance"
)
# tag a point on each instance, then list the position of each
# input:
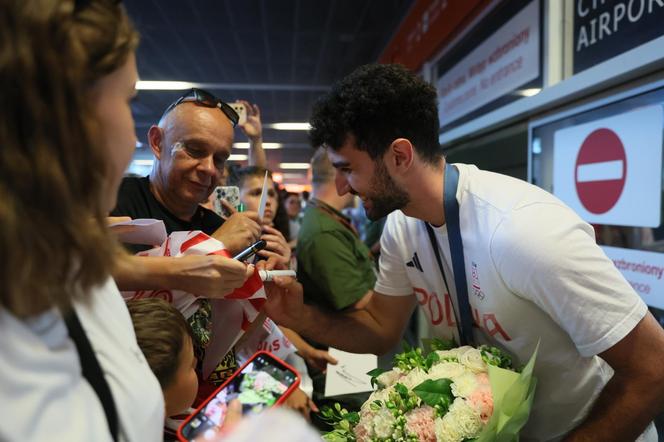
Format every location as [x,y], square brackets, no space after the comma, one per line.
[140,231]
[42,390]
[534,272]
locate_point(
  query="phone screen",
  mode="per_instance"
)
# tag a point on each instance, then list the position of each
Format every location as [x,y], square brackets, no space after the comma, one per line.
[259,385]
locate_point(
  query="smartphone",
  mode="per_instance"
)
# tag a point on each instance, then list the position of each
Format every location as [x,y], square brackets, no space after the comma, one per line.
[241,111]
[229,193]
[263,381]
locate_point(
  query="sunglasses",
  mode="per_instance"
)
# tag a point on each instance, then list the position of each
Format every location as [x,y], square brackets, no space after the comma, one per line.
[204,98]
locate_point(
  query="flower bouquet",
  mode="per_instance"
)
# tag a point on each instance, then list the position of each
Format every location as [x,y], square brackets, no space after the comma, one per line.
[447,393]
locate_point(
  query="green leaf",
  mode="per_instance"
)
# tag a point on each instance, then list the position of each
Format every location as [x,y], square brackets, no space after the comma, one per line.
[433,344]
[435,392]
[431,359]
[401,389]
[353,417]
[496,357]
[374,375]
[376,372]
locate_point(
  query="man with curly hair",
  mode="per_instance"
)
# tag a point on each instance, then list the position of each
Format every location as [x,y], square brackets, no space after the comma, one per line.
[533,269]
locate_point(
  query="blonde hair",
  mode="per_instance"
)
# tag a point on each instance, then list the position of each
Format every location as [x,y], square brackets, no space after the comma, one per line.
[53,172]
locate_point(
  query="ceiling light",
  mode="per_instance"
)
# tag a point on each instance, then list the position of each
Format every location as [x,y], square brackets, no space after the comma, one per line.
[289,126]
[296,188]
[293,165]
[265,145]
[529,92]
[237,157]
[143,162]
[139,144]
[164,85]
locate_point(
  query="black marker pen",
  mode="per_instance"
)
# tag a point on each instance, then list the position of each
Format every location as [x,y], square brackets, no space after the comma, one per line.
[251,250]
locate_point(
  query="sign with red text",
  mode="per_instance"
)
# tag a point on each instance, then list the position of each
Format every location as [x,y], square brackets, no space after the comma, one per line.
[610,170]
[643,270]
[509,58]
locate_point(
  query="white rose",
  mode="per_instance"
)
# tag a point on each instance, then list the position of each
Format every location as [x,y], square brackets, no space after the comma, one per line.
[448,354]
[472,359]
[447,370]
[464,385]
[414,378]
[378,395]
[389,378]
[383,423]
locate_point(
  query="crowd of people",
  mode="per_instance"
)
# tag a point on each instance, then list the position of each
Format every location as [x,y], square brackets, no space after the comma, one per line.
[78,361]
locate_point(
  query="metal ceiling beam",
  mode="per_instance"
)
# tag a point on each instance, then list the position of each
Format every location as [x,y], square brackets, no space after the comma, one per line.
[254,87]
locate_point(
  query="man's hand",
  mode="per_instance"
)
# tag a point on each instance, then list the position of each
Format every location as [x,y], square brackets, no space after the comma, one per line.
[317,358]
[239,231]
[210,276]
[277,251]
[285,304]
[300,402]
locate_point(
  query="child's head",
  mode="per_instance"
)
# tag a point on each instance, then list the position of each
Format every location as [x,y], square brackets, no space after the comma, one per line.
[250,181]
[165,339]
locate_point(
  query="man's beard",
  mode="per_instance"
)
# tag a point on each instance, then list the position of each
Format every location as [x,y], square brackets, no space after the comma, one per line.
[386,196]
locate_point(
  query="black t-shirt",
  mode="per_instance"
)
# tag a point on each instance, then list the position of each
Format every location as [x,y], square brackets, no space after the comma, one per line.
[136,201]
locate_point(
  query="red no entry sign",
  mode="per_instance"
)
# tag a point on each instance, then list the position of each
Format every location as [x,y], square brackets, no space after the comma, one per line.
[600,171]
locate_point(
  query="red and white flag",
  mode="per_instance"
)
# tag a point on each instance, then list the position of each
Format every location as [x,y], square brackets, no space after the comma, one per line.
[231,316]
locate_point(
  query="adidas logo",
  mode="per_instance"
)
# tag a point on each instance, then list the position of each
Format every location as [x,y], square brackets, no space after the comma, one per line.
[415,262]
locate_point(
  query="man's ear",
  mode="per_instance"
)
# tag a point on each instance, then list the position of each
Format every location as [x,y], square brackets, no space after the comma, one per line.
[155,139]
[402,155]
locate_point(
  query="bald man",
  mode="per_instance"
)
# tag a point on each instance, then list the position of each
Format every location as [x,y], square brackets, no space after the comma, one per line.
[191,144]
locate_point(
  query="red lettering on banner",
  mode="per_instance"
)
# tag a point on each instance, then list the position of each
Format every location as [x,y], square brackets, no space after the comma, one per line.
[421,295]
[476,318]
[138,294]
[492,326]
[167,247]
[432,303]
[275,345]
[166,295]
[438,306]
[451,322]
[434,311]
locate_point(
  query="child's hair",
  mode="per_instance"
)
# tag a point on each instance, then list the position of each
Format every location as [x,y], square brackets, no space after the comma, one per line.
[237,175]
[160,330]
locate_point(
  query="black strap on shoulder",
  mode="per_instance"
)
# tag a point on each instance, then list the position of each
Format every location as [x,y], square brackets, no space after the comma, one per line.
[92,371]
